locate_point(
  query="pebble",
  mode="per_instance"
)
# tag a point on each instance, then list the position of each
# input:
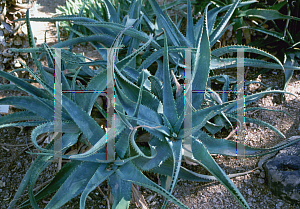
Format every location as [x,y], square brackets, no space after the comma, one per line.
[2,184]
[262,175]
[149,198]
[261,181]
[153,203]
[17,64]
[279,205]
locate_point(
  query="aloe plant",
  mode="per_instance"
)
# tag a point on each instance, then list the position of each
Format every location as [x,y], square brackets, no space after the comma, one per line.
[109,11]
[284,40]
[143,100]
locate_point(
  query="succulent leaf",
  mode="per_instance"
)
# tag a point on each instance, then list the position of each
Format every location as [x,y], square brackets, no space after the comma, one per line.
[202,155]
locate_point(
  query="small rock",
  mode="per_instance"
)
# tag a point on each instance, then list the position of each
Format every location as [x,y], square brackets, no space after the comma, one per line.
[17,64]
[261,181]
[153,203]
[262,175]
[249,192]
[17,41]
[6,60]
[279,205]
[2,184]
[283,173]
[149,198]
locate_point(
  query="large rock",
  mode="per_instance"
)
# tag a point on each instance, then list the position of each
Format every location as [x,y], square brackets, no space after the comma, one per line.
[283,174]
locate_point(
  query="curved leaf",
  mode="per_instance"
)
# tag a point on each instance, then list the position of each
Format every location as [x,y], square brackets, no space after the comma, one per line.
[201,154]
[100,175]
[169,107]
[213,36]
[19,116]
[130,173]
[201,66]
[176,147]
[31,104]
[266,14]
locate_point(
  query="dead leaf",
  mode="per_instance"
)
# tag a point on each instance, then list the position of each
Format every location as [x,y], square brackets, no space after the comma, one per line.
[247,35]
[72,152]
[138,198]
[190,162]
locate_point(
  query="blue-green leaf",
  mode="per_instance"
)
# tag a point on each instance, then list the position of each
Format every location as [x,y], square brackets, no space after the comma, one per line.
[169,107]
[163,153]
[213,36]
[201,66]
[201,154]
[100,175]
[31,104]
[121,190]
[74,184]
[176,147]
[130,173]
[189,25]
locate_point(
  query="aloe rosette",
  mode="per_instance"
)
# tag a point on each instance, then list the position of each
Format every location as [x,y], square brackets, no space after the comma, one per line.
[164,119]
